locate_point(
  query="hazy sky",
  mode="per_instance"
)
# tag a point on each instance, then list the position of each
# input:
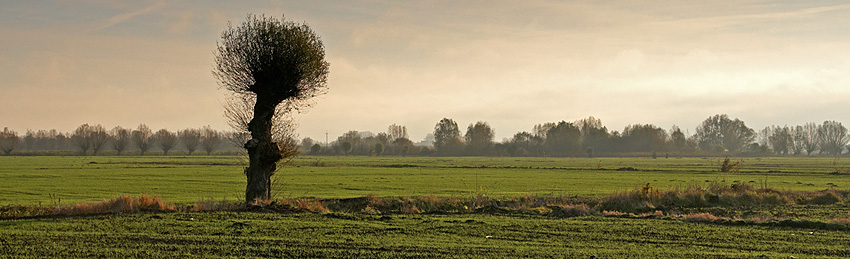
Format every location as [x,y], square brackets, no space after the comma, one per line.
[513,64]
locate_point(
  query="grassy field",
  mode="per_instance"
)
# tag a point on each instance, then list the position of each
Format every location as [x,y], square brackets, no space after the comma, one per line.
[55,180]
[332,235]
[474,233]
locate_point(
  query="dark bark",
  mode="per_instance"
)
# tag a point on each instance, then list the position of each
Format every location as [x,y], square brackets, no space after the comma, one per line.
[263,154]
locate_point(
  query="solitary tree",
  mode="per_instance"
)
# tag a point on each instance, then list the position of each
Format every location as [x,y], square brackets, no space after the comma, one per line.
[166,139]
[271,61]
[8,141]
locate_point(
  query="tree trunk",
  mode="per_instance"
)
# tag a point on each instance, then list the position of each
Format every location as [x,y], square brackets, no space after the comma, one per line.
[263,153]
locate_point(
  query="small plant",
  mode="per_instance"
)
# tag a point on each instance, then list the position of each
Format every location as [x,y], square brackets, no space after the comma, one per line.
[728,166]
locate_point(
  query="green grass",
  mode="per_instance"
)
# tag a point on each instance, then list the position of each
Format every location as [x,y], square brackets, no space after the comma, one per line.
[245,235]
[184,180]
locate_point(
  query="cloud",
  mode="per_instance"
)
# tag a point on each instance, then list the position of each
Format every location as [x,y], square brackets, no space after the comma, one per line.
[756,15]
[120,18]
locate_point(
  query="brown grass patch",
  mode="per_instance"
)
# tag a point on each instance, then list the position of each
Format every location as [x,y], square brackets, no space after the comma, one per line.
[119,204]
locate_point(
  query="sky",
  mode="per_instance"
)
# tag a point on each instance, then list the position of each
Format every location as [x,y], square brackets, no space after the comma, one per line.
[513,64]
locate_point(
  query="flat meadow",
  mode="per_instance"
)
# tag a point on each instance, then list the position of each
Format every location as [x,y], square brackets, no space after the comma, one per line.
[414,207]
[52,180]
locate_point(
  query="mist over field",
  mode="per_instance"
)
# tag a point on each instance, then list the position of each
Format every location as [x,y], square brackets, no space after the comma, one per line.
[511,64]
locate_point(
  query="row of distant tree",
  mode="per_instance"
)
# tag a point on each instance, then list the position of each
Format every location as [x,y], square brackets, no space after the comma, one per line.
[95,139]
[717,134]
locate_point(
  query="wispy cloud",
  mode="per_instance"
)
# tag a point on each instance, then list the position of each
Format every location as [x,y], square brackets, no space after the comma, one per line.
[732,20]
[120,18]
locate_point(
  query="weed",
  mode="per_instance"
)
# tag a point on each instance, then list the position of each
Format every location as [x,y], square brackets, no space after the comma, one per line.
[730,167]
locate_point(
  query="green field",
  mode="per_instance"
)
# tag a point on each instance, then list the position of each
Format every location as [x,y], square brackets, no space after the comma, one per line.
[478,234]
[183,180]
[245,235]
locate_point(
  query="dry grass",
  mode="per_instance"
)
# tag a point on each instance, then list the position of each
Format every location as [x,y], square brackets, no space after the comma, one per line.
[842,221]
[701,217]
[644,202]
[736,195]
[120,204]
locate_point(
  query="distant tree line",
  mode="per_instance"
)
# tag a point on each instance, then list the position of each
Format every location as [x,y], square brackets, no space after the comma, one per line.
[716,135]
[394,142]
[97,140]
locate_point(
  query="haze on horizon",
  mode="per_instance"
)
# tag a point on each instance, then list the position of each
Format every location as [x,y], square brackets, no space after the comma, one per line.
[512,64]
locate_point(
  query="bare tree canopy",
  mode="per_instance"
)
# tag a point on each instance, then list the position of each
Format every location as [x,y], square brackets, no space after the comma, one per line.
[270,58]
[166,140]
[718,133]
[210,139]
[8,141]
[832,137]
[269,61]
[190,138]
[809,137]
[396,132]
[82,138]
[98,137]
[120,138]
[142,137]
